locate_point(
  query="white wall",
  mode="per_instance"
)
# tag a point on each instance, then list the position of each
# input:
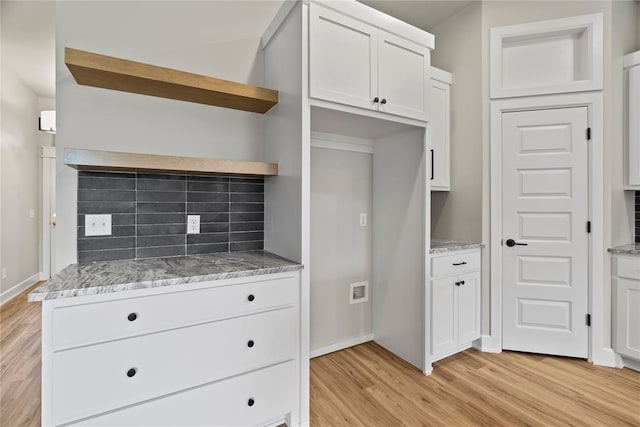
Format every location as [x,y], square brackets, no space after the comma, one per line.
[19,178]
[458,214]
[340,248]
[216,38]
[399,191]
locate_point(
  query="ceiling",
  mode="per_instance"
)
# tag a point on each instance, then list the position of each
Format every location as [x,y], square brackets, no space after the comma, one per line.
[28,43]
[424,14]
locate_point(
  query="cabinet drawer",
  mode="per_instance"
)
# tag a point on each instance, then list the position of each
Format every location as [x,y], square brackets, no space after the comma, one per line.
[224,403]
[94,379]
[627,266]
[127,317]
[455,263]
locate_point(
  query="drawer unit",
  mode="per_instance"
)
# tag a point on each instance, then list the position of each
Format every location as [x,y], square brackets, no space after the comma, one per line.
[627,267]
[127,317]
[98,378]
[254,399]
[455,263]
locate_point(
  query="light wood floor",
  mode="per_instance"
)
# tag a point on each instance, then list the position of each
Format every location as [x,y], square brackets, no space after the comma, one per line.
[368,386]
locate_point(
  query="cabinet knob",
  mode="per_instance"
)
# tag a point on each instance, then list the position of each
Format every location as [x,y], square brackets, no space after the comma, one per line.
[384,101]
[250,298]
[132,316]
[132,372]
[462,282]
[251,402]
[376,99]
[457,283]
[250,343]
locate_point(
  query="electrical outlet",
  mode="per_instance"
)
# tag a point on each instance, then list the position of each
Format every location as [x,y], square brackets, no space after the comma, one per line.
[193,224]
[363,220]
[97,225]
[4,273]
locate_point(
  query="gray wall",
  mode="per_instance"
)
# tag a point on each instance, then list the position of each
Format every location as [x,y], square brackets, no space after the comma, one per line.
[217,38]
[340,248]
[19,177]
[458,214]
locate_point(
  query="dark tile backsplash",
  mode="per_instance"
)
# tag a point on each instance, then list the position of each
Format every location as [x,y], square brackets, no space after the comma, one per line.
[149,214]
[637,216]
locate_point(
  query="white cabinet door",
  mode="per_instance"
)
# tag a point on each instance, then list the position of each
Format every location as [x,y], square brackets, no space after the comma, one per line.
[468,307]
[343,65]
[633,128]
[444,316]
[627,336]
[438,132]
[403,83]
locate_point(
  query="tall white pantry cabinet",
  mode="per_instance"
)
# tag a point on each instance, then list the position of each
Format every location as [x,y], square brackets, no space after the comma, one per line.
[346,69]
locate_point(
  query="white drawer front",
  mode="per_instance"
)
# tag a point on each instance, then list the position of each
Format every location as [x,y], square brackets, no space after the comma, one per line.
[627,267]
[455,263]
[225,403]
[94,379]
[110,320]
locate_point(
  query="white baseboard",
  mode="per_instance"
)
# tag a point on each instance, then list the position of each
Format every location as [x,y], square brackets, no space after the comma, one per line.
[485,344]
[12,292]
[631,364]
[606,357]
[340,345]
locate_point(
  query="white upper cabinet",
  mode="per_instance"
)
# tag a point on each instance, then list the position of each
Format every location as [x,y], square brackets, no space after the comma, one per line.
[632,120]
[344,59]
[360,65]
[403,81]
[439,130]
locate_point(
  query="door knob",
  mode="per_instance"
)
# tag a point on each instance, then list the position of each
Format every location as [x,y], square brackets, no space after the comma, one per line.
[511,243]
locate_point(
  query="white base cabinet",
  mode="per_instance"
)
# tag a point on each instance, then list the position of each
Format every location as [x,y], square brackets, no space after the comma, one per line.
[223,353]
[455,302]
[626,291]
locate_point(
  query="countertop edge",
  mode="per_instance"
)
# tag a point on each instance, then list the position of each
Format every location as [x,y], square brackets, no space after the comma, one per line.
[456,246]
[112,289]
[630,249]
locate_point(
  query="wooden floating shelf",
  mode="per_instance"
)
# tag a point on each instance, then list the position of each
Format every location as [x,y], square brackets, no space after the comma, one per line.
[107,72]
[134,162]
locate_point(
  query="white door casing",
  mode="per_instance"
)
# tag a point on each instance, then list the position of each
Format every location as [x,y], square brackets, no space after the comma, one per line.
[545,206]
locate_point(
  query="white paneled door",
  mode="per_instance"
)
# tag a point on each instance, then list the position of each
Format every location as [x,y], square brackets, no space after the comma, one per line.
[545,239]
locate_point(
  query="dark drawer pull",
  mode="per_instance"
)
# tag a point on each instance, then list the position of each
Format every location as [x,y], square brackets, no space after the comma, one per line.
[250,343]
[459,263]
[132,372]
[457,283]
[132,316]
[462,282]
[251,402]
[251,298]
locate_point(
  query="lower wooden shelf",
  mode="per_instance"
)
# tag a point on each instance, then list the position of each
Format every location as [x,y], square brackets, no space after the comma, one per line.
[82,159]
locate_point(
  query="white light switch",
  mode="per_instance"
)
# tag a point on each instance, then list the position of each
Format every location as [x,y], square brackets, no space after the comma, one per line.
[363,220]
[97,225]
[193,224]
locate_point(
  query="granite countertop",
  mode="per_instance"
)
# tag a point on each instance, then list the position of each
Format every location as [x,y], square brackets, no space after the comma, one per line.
[117,276]
[441,245]
[632,249]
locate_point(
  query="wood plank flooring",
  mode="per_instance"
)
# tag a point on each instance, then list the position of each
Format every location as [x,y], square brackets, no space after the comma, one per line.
[368,386]
[20,362]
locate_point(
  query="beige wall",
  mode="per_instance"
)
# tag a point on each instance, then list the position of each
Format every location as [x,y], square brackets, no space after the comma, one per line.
[341,185]
[19,178]
[216,38]
[458,214]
